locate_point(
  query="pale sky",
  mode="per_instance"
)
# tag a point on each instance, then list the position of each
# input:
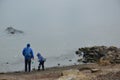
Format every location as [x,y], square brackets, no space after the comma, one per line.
[64,23]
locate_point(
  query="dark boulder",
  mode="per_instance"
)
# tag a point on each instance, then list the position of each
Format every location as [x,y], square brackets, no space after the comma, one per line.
[95,53]
[11,30]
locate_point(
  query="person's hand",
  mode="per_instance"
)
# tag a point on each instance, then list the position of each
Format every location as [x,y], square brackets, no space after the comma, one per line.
[32,58]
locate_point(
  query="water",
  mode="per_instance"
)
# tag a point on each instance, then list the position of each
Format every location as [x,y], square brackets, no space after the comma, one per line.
[17,63]
[11,58]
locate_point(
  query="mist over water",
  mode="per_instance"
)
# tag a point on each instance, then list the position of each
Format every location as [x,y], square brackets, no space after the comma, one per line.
[57,27]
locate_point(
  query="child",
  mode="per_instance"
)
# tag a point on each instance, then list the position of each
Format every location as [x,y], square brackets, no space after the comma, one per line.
[41,61]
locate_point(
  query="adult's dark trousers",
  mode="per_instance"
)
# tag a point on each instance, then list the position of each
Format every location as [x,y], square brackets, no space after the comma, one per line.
[41,64]
[27,65]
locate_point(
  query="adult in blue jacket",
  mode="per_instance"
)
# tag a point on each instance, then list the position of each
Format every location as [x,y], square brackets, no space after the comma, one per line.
[41,61]
[28,55]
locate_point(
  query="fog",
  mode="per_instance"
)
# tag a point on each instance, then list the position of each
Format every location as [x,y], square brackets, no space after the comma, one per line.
[55,27]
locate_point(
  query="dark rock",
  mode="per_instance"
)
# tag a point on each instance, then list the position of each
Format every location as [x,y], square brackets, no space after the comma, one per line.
[11,30]
[79,60]
[7,63]
[70,60]
[62,74]
[84,61]
[95,53]
[58,64]
[84,68]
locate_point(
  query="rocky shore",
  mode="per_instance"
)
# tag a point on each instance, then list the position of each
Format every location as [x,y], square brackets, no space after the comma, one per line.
[100,54]
[74,72]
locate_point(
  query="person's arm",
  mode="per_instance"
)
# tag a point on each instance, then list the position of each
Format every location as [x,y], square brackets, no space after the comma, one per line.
[32,55]
[23,52]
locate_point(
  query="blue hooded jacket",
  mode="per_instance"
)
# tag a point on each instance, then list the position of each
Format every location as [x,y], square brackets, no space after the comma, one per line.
[28,53]
[40,58]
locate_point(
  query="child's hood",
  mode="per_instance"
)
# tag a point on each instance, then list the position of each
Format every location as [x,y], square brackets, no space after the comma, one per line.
[38,54]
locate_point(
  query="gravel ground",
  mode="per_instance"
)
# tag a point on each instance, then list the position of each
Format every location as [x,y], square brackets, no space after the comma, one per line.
[79,72]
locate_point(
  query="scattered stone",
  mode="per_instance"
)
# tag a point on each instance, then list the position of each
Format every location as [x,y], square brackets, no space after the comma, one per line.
[79,60]
[70,60]
[58,64]
[95,70]
[7,62]
[61,74]
[84,68]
